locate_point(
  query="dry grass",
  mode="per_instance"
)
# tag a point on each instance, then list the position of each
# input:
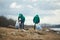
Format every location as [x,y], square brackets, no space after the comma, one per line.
[17,34]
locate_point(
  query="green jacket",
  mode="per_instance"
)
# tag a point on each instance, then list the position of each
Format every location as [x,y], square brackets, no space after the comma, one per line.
[36,19]
[22,18]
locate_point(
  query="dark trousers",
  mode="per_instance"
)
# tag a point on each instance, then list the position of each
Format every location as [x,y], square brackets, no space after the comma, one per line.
[21,26]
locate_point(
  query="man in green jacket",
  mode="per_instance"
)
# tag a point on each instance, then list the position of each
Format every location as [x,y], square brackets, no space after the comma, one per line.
[21,18]
[36,20]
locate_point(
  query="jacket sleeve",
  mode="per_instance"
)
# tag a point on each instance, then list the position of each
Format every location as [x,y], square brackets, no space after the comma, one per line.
[19,17]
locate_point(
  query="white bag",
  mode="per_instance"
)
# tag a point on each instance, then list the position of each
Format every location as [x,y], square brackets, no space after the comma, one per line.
[38,27]
[17,25]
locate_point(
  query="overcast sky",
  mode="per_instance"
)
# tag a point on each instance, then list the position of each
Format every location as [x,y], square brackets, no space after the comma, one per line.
[48,10]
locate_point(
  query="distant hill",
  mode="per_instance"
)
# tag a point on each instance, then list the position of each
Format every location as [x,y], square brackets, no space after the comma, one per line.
[50,26]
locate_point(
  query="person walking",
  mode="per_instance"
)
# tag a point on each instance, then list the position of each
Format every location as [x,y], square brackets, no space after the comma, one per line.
[36,20]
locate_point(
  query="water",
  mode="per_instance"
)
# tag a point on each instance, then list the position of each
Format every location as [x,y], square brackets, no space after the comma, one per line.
[55,29]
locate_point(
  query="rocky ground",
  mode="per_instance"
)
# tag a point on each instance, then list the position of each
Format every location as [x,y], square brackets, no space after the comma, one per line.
[17,34]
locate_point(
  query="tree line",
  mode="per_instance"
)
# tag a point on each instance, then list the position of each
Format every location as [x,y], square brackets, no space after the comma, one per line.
[4,22]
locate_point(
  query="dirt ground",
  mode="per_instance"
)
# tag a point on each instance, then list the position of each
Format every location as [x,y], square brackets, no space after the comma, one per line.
[17,34]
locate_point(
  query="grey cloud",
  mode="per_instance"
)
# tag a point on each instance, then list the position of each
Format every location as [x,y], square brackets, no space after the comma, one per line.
[41,5]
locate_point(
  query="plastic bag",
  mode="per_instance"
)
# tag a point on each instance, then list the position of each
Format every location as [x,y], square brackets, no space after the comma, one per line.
[38,27]
[17,25]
